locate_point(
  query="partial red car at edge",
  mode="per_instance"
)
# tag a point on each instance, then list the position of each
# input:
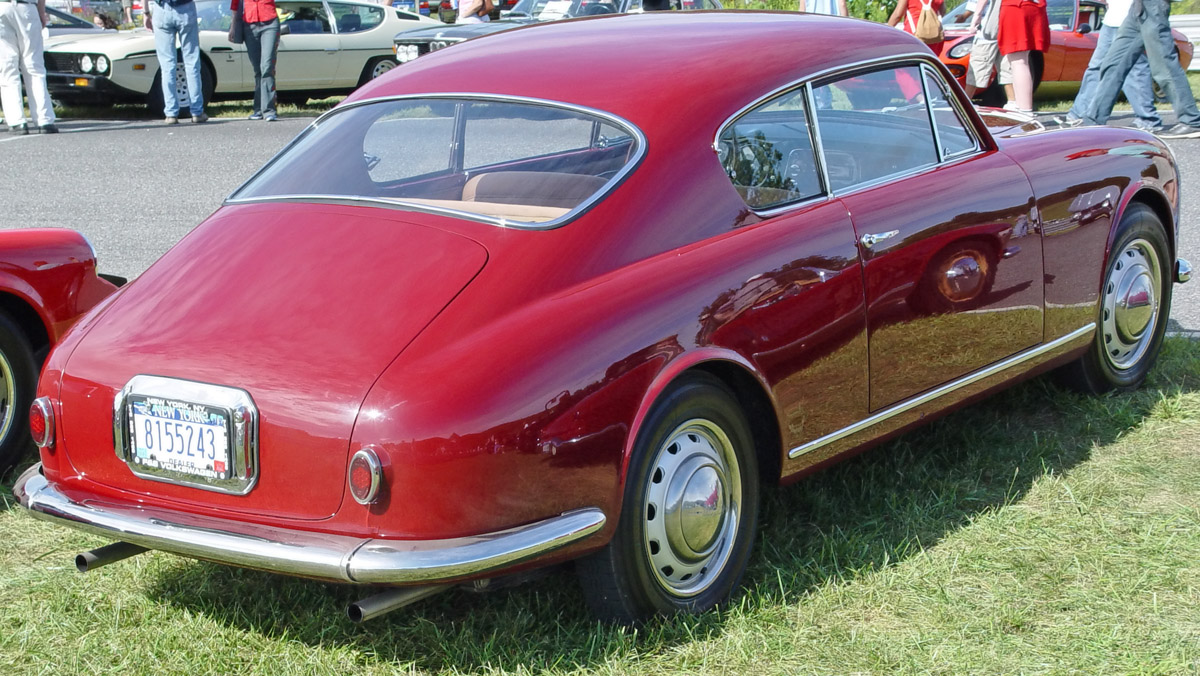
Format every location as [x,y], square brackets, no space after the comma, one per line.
[474,320]
[1074,29]
[48,280]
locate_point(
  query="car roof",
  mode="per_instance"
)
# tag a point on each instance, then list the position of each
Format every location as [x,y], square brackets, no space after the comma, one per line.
[654,69]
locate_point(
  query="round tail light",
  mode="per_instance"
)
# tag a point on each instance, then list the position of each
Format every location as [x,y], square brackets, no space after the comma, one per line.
[41,422]
[365,474]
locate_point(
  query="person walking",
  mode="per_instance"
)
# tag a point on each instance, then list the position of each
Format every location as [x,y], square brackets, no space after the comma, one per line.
[21,23]
[261,35]
[1136,85]
[907,16]
[475,11]
[169,20]
[1146,28]
[1024,28]
[985,49]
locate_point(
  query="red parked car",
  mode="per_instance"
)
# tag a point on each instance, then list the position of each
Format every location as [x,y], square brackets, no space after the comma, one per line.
[47,281]
[584,313]
[1074,30]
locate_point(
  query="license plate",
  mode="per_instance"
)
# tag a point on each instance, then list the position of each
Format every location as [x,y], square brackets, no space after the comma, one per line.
[179,436]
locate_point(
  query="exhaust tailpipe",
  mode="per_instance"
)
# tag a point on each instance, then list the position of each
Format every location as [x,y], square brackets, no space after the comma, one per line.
[106,555]
[392,599]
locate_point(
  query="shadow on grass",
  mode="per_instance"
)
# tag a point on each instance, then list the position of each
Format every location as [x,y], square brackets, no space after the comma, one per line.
[867,513]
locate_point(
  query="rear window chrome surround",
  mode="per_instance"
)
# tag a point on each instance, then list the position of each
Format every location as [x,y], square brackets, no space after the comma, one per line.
[640,150]
[243,416]
[923,61]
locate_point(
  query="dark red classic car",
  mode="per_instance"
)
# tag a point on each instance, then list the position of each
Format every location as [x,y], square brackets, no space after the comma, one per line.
[47,281]
[474,321]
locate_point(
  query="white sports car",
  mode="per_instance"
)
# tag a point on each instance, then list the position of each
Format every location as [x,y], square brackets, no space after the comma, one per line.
[327,47]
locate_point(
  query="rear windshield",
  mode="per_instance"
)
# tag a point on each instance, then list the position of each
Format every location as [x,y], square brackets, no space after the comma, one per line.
[517,163]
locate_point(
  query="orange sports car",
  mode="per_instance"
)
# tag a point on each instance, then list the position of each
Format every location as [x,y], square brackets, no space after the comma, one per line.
[1074,29]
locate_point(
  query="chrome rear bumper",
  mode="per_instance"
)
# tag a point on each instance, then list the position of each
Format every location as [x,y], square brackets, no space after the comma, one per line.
[305,553]
[1183,270]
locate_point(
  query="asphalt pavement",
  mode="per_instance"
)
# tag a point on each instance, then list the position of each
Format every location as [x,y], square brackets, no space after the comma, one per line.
[135,188]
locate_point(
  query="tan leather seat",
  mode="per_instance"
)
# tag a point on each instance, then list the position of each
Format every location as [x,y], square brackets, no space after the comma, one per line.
[532,188]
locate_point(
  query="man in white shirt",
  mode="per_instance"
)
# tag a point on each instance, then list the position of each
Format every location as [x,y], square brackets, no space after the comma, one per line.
[21,23]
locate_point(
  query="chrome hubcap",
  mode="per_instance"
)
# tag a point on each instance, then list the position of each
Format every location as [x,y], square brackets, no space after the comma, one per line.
[1130,310]
[382,67]
[8,391]
[691,507]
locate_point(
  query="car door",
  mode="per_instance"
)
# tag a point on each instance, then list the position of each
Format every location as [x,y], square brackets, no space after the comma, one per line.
[800,317]
[361,39]
[1071,46]
[946,228]
[310,51]
[228,60]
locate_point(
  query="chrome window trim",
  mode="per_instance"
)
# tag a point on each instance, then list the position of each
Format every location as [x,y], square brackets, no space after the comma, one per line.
[839,72]
[818,155]
[818,144]
[938,392]
[243,416]
[617,179]
[963,118]
[937,135]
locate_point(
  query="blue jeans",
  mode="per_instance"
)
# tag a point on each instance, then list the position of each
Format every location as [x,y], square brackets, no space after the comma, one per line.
[168,22]
[262,48]
[1136,86]
[1148,28]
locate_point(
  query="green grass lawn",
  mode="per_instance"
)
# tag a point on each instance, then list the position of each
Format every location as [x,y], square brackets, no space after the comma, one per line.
[1038,532]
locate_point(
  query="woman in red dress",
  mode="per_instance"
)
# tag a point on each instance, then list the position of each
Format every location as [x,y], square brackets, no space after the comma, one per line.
[1024,27]
[907,13]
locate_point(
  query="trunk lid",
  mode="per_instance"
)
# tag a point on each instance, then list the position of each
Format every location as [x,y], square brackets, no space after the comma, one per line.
[301,306]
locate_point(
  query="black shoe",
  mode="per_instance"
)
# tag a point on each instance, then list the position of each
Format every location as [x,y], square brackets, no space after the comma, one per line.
[48,129]
[1181,130]
[20,129]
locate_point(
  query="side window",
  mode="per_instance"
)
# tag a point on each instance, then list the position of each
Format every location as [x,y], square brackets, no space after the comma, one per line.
[490,137]
[355,18]
[768,153]
[1061,14]
[874,125]
[304,17]
[952,131]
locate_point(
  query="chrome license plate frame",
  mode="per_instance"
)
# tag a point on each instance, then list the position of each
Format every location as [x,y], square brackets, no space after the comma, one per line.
[156,398]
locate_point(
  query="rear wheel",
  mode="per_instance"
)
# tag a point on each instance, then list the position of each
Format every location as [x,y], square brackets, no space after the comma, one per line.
[1134,304]
[689,511]
[18,380]
[375,68]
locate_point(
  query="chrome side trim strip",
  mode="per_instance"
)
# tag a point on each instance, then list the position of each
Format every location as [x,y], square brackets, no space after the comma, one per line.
[929,396]
[298,552]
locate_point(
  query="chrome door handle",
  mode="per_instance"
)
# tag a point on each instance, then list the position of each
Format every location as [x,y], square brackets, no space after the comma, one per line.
[871,240]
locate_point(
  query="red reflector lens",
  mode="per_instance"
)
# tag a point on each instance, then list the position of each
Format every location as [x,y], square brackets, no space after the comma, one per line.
[37,423]
[41,422]
[365,474]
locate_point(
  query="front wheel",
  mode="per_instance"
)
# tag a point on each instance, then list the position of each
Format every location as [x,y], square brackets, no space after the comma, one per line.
[689,510]
[1134,304]
[154,98]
